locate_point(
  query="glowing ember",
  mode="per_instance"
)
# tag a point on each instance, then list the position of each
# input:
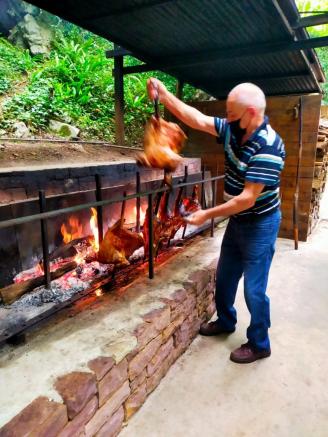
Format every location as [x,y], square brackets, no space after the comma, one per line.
[99,292]
[94,229]
[71,231]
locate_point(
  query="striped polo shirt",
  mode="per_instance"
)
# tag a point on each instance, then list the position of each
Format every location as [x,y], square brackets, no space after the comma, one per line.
[260,160]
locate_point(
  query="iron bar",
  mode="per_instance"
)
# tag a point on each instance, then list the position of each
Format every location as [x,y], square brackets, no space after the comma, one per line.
[123,208]
[138,201]
[100,218]
[213,205]
[209,56]
[203,199]
[51,214]
[45,242]
[151,237]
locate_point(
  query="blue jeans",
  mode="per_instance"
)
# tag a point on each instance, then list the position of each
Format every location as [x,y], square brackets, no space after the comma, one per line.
[247,248]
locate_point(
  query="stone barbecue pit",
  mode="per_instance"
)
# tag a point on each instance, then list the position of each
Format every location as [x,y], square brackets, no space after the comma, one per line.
[80,354]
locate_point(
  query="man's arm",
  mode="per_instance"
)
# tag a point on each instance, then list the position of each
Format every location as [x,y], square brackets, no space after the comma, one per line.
[240,203]
[187,114]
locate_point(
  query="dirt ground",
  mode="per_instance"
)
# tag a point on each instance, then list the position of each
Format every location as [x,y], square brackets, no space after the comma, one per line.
[23,153]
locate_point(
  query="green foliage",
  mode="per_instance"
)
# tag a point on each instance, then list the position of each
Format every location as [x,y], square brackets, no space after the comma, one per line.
[74,84]
[311,6]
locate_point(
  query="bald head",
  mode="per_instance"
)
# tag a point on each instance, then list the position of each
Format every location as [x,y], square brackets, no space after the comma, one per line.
[248,95]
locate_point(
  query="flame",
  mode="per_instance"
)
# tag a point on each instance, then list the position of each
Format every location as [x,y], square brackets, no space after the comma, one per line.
[99,292]
[72,231]
[94,229]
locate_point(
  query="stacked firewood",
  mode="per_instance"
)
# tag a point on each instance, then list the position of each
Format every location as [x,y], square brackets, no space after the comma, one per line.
[320,174]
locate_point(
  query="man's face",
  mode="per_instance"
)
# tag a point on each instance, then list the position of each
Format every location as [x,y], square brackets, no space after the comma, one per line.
[236,111]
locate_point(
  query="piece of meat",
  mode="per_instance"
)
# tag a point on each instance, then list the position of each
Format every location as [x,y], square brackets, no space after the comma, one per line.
[162,143]
[190,204]
[118,245]
[165,225]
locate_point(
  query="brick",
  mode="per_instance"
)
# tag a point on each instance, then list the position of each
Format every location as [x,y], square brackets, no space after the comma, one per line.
[75,427]
[76,389]
[112,381]
[113,427]
[153,381]
[18,194]
[145,332]
[175,299]
[135,400]
[201,278]
[140,361]
[139,380]
[100,366]
[5,197]
[172,327]
[160,356]
[184,308]
[41,417]
[210,310]
[160,318]
[104,414]
[182,335]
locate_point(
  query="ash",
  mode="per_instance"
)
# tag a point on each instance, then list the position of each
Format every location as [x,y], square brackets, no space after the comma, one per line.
[64,288]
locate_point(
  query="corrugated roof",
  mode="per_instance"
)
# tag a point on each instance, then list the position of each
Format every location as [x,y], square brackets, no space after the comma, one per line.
[164,32]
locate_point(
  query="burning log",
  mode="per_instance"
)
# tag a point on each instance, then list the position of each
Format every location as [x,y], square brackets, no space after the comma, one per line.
[162,143]
[119,244]
[14,291]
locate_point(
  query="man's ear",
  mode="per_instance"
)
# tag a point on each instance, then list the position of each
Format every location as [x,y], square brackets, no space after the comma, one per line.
[252,111]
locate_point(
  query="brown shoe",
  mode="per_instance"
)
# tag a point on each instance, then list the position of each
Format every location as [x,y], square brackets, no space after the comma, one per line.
[213,328]
[247,354]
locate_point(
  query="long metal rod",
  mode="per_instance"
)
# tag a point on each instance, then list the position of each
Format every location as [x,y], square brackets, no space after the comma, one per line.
[138,201]
[151,237]
[185,193]
[213,205]
[100,218]
[45,242]
[296,194]
[51,214]
[202,199]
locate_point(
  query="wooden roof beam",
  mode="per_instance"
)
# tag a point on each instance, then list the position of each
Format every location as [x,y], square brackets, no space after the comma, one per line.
[209,56]
[313,20]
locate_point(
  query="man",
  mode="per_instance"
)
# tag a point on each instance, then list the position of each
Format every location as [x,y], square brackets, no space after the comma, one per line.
[254,158]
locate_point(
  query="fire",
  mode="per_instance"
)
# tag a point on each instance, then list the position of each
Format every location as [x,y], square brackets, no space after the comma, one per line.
[94,228]
[72,231]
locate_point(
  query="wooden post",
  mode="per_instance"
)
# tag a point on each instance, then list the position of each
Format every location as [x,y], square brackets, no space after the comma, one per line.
[119,99]
[179,89]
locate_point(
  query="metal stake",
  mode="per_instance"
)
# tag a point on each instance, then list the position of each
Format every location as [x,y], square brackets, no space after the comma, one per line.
[213,205]
[45,242]
[100,221]
[138,201]
[151,237]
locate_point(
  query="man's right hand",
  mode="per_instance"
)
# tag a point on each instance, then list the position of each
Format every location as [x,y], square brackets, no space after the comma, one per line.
[156,89]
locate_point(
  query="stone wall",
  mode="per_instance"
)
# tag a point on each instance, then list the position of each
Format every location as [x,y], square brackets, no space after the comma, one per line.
[100,401]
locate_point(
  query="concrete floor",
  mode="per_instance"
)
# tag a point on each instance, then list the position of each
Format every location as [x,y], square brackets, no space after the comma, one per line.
[286,395]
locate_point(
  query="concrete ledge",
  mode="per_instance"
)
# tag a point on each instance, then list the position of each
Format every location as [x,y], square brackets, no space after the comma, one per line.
[99,365]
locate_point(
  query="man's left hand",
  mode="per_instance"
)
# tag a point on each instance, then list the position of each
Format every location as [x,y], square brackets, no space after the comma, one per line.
[197,218]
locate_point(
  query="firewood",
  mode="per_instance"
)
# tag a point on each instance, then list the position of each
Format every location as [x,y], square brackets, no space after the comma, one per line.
[14,291]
